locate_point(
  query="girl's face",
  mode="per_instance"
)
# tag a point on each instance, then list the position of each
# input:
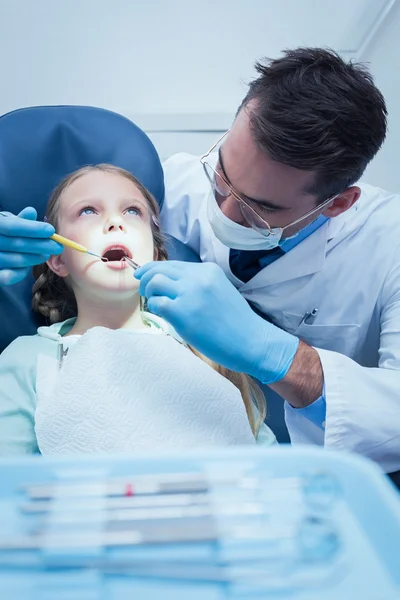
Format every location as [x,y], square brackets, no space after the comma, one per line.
[109,215]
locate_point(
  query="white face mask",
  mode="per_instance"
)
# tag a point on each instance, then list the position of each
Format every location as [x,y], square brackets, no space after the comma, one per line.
[236,236]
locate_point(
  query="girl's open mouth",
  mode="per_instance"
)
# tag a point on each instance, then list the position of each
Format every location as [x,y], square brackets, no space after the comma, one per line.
[114,257]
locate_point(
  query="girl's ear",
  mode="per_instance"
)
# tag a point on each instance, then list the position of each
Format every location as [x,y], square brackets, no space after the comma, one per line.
[57,265]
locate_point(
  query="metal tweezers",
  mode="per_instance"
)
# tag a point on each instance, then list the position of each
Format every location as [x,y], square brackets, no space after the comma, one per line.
[131,263]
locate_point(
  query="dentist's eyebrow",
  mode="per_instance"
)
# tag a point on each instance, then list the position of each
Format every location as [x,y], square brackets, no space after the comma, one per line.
[264,203]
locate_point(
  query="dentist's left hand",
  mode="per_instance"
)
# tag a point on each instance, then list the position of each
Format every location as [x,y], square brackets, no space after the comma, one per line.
[208,312]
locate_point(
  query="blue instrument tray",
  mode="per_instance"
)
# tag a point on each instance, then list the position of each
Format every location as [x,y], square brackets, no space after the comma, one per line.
[240,523]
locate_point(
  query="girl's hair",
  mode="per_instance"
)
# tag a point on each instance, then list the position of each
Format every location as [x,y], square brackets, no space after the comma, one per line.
[55,299]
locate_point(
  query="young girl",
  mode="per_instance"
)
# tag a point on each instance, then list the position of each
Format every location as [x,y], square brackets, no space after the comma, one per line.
[107,210]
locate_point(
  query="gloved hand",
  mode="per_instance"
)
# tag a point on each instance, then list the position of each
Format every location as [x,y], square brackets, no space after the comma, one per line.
[209,313]
[23,243]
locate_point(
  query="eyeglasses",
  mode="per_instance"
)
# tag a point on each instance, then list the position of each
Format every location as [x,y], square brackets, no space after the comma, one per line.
[221,187]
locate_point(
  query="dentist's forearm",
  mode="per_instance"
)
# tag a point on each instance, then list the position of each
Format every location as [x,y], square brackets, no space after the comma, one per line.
[304,381]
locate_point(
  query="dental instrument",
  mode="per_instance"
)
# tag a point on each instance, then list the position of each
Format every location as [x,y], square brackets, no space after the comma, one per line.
[158,483]
[75,246]
[131,262]
[69,243]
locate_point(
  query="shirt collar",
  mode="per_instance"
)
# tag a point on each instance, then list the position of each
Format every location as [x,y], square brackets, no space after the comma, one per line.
[290,243]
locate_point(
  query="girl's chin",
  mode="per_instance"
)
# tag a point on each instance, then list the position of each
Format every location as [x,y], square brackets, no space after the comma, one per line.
[130,287]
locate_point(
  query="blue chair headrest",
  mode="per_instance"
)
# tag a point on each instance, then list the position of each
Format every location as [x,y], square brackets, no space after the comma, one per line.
[38,147]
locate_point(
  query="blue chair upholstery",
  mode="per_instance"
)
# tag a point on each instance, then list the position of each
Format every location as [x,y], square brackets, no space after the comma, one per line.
[38,147]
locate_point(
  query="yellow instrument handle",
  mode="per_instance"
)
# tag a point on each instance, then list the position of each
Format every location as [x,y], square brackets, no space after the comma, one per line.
[66,242]
[61,240]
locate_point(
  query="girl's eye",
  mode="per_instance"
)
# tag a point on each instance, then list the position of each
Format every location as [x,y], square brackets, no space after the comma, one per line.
[134,210]
[88,210]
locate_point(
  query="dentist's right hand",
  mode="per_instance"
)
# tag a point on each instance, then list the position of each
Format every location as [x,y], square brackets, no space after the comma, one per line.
[24,242]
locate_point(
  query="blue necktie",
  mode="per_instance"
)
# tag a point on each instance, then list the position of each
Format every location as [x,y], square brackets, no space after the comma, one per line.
[245,264]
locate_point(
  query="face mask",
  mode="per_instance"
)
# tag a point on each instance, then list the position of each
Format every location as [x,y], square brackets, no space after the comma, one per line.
[236,236]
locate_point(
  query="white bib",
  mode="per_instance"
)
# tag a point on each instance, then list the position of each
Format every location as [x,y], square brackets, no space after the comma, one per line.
[121,391]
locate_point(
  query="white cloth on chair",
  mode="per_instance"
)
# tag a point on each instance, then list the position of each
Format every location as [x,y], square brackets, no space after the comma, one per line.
[121,391]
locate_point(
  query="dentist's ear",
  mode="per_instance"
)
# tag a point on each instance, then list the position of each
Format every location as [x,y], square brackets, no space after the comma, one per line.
[57,265]
[343,202]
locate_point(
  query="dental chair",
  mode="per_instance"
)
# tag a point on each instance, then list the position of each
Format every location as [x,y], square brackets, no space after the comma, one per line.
[39,146]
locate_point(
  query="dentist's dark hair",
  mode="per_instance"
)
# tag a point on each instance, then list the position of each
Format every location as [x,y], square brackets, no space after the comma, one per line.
[312,110]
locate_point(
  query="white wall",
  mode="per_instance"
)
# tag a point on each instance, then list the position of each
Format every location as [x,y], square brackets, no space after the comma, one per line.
[179,67]
[383,57]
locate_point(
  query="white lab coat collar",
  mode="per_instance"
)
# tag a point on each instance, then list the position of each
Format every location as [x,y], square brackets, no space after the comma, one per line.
[305,259]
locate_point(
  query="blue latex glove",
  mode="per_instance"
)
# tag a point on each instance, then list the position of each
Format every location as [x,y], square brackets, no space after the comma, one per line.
[23,243]
[209,313]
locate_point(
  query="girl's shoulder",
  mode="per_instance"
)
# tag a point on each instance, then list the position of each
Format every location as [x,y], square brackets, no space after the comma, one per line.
[24,350]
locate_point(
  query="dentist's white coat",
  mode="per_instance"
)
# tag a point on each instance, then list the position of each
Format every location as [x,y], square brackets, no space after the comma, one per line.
[350,270]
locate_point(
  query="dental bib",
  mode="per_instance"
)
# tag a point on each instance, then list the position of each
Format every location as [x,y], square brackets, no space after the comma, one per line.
[124,391]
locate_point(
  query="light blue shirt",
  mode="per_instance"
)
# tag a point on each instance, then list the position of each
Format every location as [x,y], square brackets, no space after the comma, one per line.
[315,412]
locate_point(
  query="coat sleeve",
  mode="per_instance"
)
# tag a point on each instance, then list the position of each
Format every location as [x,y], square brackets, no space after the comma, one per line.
[362,403]
[185,187]
[18,398]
